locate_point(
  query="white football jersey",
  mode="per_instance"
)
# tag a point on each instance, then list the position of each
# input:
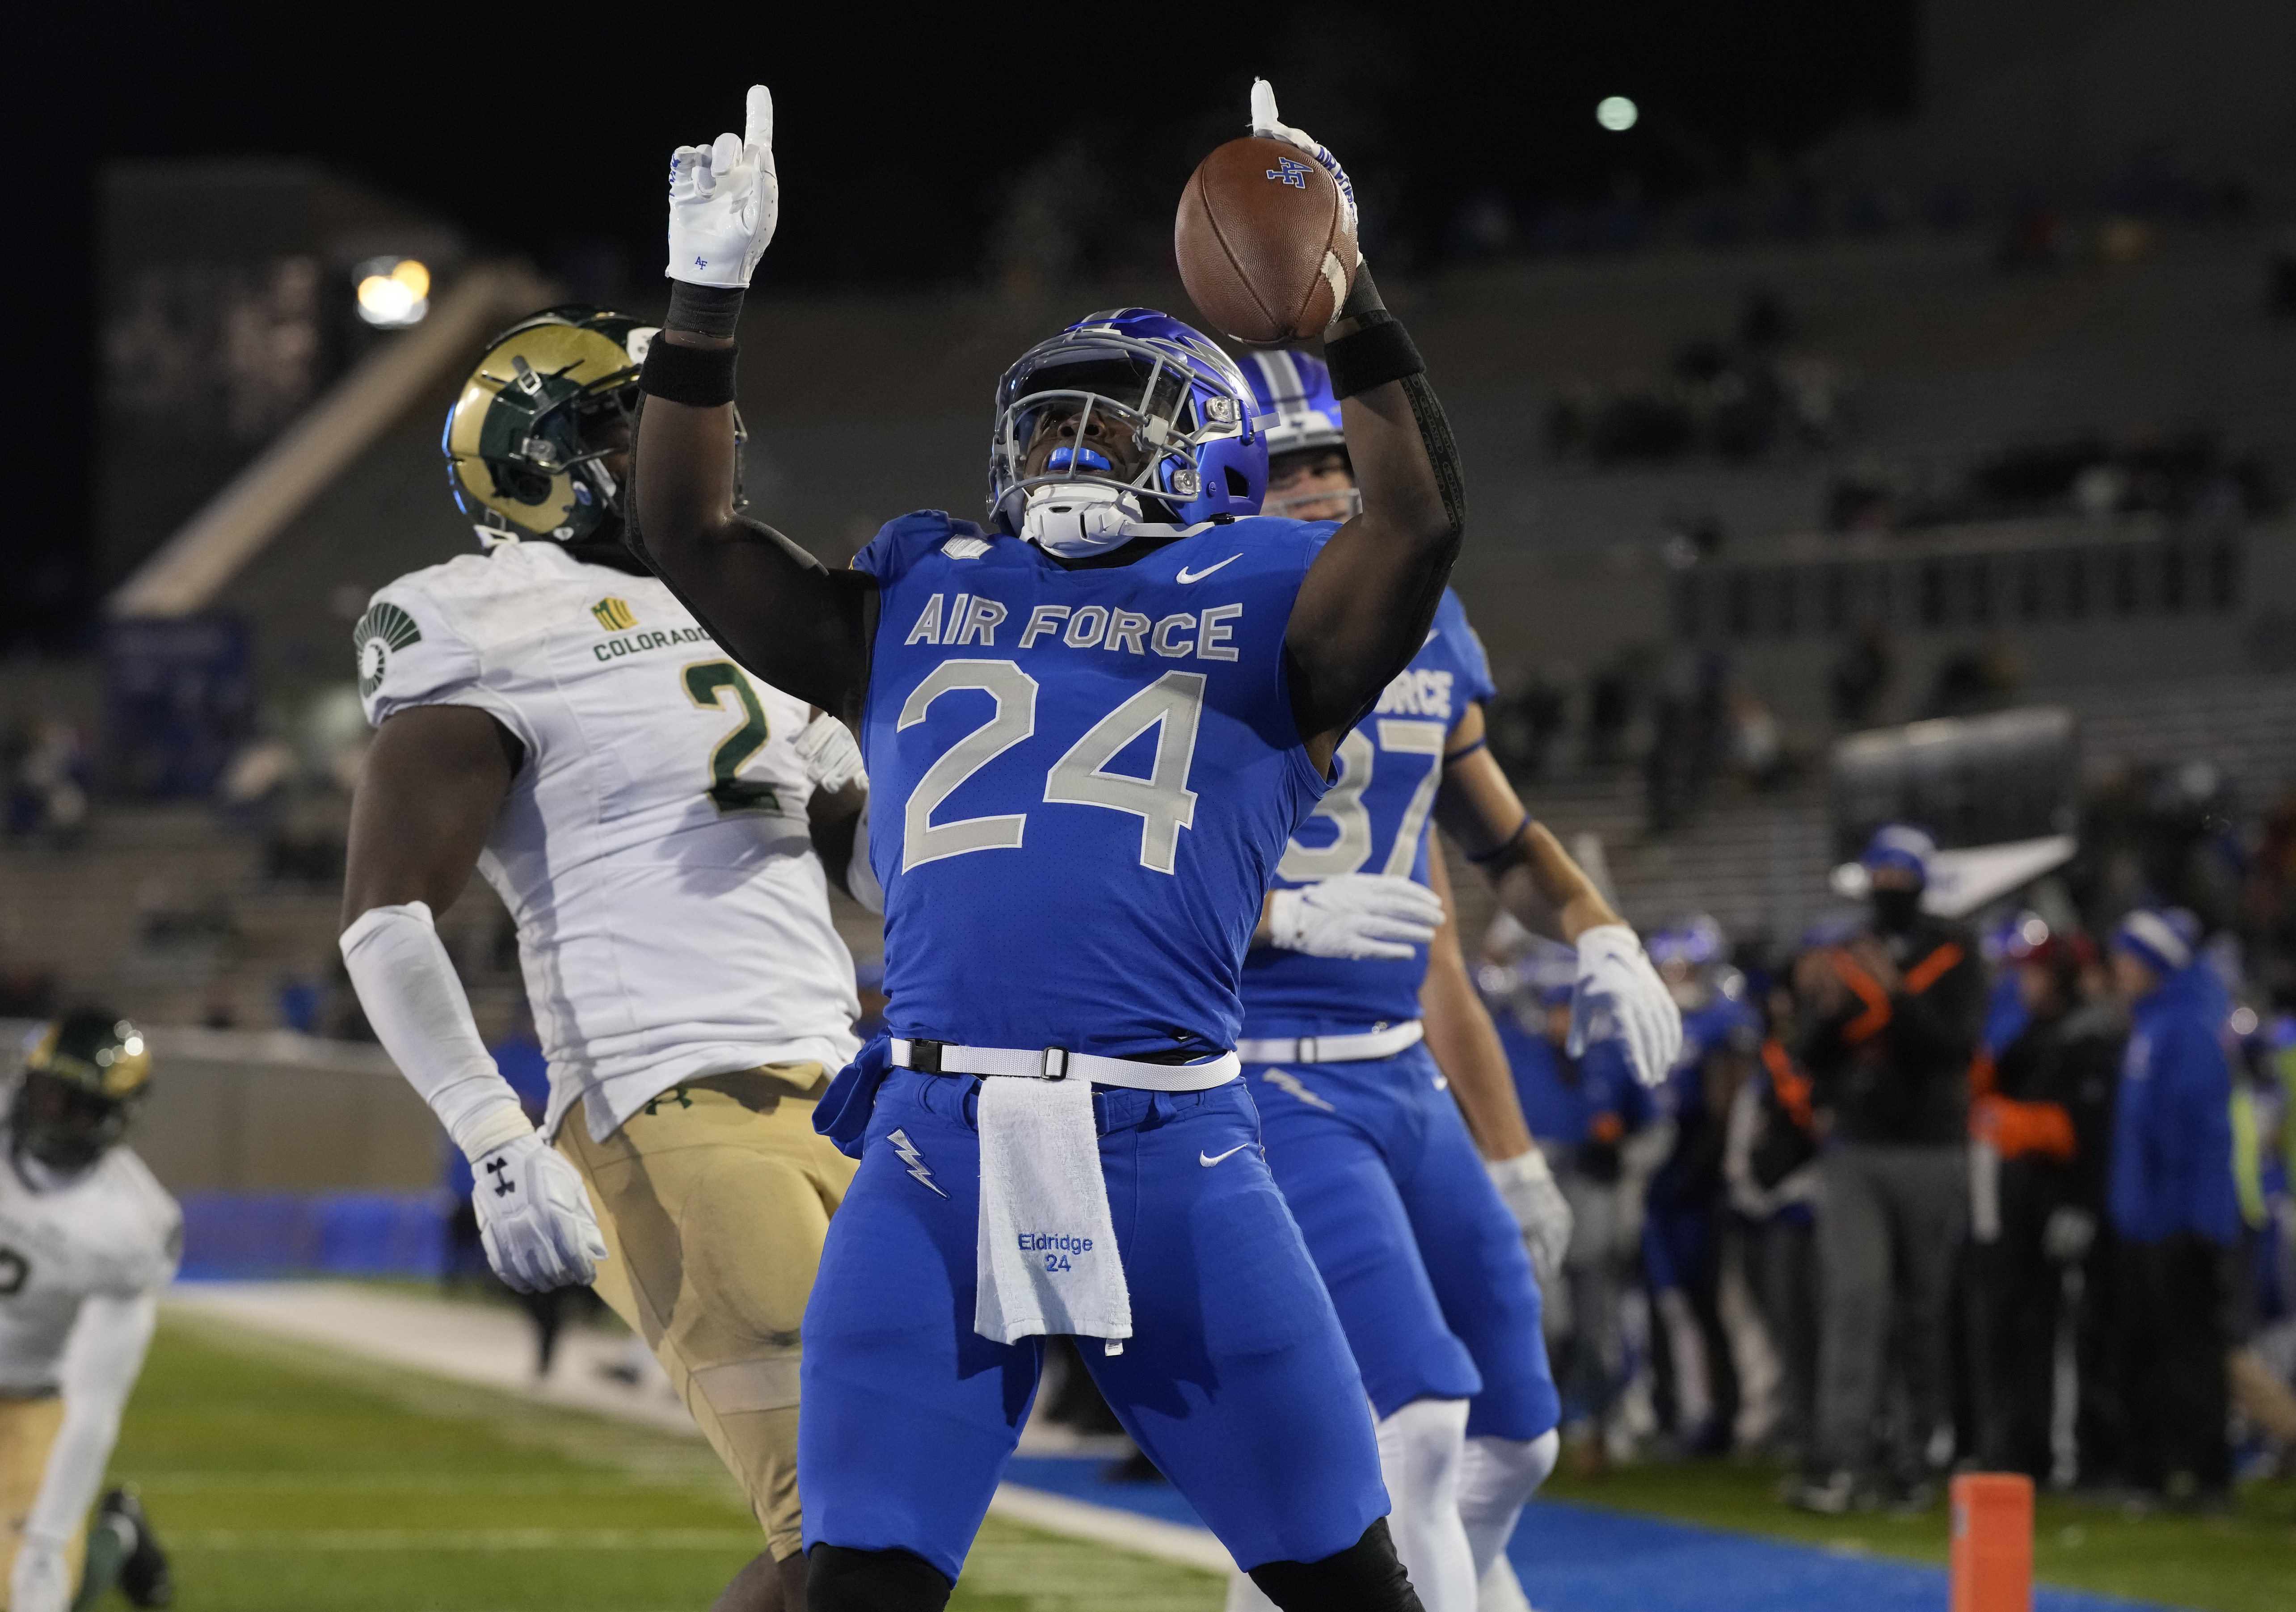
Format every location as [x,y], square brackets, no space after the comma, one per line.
[114,1230]
[673,920]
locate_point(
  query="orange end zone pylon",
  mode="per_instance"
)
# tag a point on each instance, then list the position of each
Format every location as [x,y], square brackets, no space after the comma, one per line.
[1993,1542]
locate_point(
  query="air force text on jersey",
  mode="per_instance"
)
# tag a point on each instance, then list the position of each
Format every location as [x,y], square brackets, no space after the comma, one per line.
[973,618]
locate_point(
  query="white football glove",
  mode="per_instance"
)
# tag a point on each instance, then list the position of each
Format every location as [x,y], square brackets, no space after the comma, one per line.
[1265,125]
[41,1579]
[535,1218]
[831,754]
[1356,916]
[1620,994]
[1528,1187]
[723,202]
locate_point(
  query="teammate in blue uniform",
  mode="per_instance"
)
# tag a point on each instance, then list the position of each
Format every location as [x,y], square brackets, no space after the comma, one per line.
[1093,724]
[1421,1245]
[1585,1112]
[1682,1232]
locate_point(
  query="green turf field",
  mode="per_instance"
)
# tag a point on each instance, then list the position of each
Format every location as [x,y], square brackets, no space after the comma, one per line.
[289,1480]
[2242,1563]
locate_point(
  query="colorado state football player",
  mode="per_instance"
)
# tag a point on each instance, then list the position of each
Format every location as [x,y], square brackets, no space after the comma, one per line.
[550,714]
[1423,1257]
[87,1239]
[1093,723]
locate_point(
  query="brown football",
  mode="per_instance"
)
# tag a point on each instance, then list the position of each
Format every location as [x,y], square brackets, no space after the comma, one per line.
[1263,243]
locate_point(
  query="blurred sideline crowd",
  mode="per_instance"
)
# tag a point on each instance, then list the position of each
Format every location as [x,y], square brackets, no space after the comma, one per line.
[1922,1195]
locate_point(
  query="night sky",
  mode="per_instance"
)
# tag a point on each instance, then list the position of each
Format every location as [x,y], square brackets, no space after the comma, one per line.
[544,129]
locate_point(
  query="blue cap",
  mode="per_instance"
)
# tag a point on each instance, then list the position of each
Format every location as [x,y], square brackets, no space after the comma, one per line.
[1900,845]
[2163,941]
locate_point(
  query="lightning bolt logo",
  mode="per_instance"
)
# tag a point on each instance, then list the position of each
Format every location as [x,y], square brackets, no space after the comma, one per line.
[909,1156]
[1297,1087]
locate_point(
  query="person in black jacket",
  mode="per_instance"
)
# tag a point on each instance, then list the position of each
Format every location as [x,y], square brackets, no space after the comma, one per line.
[1888,1025]
[2044,1111]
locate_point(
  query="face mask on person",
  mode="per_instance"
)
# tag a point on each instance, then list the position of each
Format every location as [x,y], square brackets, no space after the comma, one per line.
[1894,910]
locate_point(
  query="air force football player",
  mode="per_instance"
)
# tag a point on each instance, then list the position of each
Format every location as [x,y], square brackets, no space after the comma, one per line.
[1093,724]
[549,713]
[87,1239]
[1420,1239]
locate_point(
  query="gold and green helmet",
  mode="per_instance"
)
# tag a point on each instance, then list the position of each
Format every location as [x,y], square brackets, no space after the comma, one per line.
[83,1075]
[524,455]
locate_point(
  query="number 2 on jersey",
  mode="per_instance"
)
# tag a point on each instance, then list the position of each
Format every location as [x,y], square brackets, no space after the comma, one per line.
[1351,844]
[707,683]
[1174,704]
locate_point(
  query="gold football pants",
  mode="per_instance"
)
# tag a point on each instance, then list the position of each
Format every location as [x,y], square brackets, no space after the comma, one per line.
[714,1200]
[28,1431]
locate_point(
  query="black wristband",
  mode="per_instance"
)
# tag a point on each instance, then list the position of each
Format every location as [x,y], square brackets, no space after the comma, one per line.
[1479,858]
[1362,295]
[706,310]
[1380,352]
[700,377]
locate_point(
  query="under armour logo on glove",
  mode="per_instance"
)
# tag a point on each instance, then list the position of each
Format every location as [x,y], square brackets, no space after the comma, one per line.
[549,1238]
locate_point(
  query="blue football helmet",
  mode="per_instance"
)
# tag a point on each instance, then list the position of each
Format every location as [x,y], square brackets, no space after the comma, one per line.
[1299,412]
[1695,942]
[1185,404]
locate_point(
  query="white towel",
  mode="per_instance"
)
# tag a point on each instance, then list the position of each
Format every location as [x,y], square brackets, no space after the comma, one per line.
[1047,1249]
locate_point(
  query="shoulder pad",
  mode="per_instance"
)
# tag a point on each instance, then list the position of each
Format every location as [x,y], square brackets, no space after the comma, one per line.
[900,543]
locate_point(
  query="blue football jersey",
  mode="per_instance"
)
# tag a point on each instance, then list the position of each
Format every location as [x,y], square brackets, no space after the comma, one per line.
[1080,782]
[1569,1101]
[1374,820]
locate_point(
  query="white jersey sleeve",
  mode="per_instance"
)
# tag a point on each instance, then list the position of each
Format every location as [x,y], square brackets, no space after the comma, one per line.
[654,848]
[112,1233]
[150,1243]
[421,643]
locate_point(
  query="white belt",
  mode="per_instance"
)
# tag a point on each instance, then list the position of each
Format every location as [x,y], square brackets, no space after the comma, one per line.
[1335,1049]
[1058,1063]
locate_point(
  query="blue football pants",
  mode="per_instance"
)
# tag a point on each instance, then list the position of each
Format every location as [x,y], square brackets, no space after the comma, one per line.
[1422,1257]
[1237,1381]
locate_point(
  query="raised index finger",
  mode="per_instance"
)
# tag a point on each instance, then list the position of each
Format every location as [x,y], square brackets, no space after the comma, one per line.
[757,128]
[1263,106]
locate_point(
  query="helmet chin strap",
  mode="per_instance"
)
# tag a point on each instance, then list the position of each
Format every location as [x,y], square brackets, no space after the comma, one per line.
[1078,520]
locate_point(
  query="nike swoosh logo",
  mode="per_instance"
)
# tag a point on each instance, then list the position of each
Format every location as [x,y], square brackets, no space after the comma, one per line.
[1209,1159]
[1188,575]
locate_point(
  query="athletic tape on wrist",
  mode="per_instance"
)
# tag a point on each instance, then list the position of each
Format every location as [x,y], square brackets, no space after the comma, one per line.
[1380,352]
[700,377]
[706,310]
[494,1130]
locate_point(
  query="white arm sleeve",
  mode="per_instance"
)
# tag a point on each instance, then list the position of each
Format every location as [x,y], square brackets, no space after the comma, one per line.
[101,1360]
[415,1000]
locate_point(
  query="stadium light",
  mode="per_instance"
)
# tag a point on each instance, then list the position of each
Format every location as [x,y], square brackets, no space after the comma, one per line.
[1617,113]
[393,293]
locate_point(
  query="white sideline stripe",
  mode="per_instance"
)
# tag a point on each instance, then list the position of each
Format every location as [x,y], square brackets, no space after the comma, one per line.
[492,1348]
[1031,1508]
[232,528]
[1125,1530]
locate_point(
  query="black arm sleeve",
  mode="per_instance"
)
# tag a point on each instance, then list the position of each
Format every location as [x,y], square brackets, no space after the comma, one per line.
[832,842]
[1443,453]
[1365,649]
[774,608]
